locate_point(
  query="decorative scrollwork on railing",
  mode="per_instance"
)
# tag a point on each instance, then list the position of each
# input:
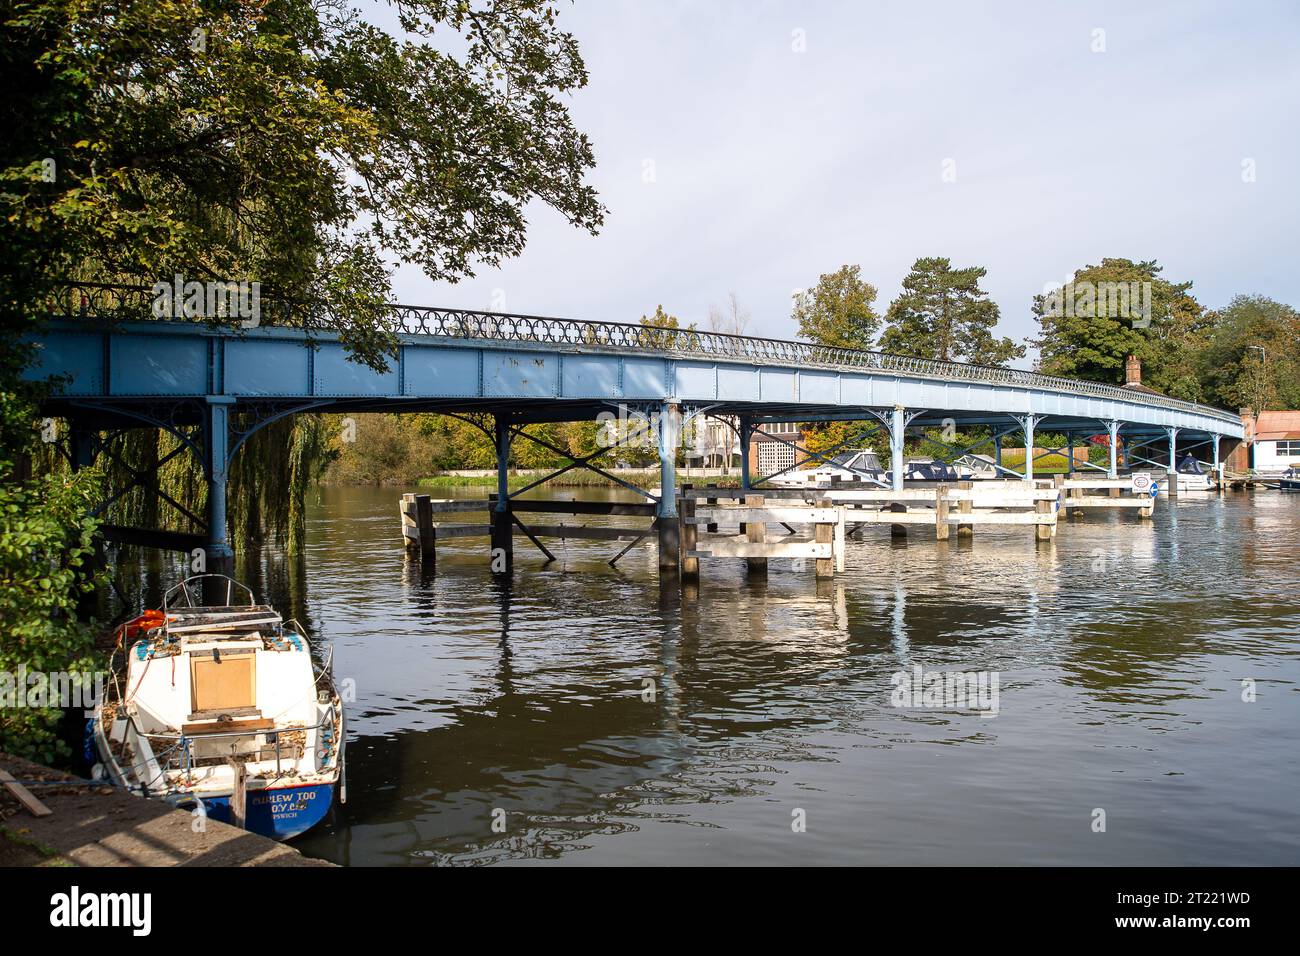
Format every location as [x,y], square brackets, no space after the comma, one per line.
[134,303]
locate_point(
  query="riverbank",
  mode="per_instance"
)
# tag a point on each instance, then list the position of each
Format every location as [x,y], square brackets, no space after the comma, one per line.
[100,825]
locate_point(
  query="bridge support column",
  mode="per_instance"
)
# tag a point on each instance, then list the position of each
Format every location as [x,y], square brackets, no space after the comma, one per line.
[1218,465]
[1172,474]
[218,557]
[1027,423]
[1069,453]
[1112,429]
[502,540]
[668,522]
[85,446]
[746,433]
[997,452]
[897,434]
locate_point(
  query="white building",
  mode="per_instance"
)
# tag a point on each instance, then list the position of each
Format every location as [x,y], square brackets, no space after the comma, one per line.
[1274,441]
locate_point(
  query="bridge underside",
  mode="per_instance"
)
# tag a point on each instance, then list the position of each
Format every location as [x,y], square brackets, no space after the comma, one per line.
[214,387]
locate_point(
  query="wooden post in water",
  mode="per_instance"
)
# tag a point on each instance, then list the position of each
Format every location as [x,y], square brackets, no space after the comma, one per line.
[690,537]
[1042,506]
[898,530]
[756,532]
[965,507]
[424,522]
[416,512]
[824,534]
[941,513]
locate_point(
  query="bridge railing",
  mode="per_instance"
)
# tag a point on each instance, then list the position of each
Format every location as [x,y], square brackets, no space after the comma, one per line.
[135,303]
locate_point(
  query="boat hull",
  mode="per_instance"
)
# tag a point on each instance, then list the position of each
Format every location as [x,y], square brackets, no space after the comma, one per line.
[280,813]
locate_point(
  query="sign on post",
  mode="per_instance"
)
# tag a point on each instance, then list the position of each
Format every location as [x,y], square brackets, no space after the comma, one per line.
[1141,481]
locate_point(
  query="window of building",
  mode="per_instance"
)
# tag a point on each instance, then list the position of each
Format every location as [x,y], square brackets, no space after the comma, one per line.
[1286,449]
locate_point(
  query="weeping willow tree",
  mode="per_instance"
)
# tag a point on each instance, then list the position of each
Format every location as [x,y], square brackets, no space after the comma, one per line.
[269,479]
[267,490]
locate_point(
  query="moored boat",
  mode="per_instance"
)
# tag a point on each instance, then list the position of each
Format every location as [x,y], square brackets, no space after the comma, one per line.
[210,706]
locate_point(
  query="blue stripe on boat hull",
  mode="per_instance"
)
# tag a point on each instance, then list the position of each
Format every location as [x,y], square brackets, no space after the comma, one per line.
[280,813]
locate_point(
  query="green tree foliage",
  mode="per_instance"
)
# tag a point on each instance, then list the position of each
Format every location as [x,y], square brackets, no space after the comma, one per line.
[290,142]
[838,311]
[665,331]
[1233,370]
[1092,339]
[942,313]
[45,547]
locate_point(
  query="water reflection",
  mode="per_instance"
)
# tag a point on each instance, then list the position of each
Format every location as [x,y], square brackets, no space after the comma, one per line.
[1121,646]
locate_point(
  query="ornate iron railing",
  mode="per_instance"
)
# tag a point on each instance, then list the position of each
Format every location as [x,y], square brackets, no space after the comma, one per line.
[135,303]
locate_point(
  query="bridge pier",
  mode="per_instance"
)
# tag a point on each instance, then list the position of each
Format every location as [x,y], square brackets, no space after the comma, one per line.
[218,555]
[502,547]
[1027,423]
[1112,429]
[897,436]
[667,521]
[1172,475]
[746,433]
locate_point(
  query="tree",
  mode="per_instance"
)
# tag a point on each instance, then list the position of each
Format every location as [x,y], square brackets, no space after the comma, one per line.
[1252,356]
[289,143]
[1121,308]
[731,319]
[838,311]
[942,313]
[665,339]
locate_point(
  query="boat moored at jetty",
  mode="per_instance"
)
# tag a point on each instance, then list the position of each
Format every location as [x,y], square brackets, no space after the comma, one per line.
[221,709]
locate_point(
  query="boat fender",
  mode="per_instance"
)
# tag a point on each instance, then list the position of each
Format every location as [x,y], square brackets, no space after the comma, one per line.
[88,741]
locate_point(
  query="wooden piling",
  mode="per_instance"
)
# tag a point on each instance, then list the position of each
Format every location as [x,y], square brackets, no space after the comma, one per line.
[418,532]
[690,538]
[824,534]
[965,506]
[898,530]
[941,513]
[1042,532]
[755,532]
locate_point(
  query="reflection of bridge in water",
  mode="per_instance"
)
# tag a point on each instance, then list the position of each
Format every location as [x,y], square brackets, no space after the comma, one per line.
[213,387]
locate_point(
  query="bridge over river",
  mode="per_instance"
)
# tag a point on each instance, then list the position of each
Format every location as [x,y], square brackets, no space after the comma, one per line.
[213,386]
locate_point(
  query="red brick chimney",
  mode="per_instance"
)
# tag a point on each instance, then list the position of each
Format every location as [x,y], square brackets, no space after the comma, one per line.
[1132,371]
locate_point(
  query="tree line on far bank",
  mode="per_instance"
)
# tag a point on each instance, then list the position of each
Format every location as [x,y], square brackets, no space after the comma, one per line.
[1246,353]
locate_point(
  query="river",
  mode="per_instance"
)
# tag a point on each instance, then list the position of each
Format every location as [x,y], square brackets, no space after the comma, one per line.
[583,715]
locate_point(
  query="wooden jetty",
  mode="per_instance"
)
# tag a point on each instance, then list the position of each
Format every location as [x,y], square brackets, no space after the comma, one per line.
[808,524]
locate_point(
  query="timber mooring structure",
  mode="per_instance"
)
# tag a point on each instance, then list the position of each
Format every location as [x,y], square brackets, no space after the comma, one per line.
[119,367]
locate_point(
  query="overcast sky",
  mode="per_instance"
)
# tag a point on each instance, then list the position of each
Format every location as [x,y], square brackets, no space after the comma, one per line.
[786,139]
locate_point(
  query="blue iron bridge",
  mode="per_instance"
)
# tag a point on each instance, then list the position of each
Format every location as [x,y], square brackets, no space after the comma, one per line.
[117,367]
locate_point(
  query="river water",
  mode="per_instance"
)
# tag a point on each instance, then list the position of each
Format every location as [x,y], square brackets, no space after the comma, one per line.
[581,714]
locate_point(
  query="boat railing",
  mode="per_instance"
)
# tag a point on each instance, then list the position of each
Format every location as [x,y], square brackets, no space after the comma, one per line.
[185,588]
[184,742]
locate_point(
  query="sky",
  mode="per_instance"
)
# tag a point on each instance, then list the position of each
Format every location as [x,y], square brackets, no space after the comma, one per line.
[749,147]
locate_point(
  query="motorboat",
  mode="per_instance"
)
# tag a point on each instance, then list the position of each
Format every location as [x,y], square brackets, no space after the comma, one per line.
[222,709]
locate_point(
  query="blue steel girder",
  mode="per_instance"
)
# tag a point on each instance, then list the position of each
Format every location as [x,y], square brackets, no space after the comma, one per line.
[169,360]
